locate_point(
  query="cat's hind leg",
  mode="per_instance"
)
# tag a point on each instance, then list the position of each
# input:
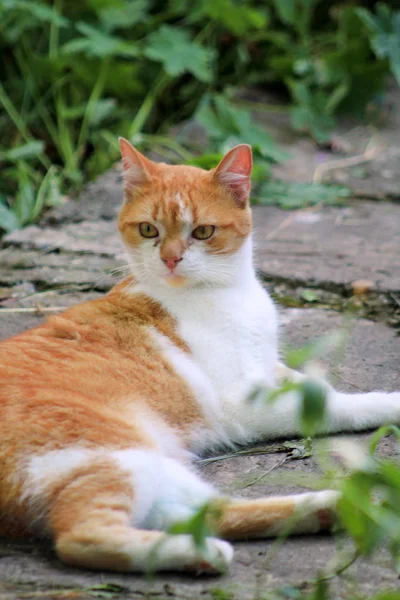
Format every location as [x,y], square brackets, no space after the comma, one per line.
[310,512]
[113,511]
[95,513]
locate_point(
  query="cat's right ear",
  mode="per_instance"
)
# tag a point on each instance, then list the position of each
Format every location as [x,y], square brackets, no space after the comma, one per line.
[136,167]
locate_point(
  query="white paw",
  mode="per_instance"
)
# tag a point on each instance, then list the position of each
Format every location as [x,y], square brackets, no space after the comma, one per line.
[319,500]
[179,553]
[315,511]
[215,558]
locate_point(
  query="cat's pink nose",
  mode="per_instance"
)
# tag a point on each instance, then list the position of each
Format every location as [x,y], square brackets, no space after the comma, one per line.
[171,262]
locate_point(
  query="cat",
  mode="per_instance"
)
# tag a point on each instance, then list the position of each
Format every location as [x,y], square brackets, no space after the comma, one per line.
[104,406]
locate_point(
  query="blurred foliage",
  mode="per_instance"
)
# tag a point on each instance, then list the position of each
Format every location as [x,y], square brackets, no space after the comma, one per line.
[76,74]
[369,484]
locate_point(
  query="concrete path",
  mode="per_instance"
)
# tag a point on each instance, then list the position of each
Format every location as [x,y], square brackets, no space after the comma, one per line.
[311,261]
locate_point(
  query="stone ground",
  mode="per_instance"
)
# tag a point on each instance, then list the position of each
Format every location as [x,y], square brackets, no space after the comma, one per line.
[310,259]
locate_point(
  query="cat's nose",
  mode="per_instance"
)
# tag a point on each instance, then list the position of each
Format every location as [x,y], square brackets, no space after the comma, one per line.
[171,261]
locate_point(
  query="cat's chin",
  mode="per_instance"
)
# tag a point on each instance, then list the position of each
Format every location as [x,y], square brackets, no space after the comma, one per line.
[176,281]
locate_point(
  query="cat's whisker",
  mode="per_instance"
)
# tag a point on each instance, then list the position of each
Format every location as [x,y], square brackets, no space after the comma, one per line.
[109,273]
[120,269]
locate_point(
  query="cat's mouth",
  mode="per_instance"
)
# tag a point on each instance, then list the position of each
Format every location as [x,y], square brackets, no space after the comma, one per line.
[175,281]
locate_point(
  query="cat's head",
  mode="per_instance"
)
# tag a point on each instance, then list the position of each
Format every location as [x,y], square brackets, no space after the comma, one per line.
[184,226]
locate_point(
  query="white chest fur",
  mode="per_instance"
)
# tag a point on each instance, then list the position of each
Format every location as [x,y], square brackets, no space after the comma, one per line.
[231,332]
[232,335]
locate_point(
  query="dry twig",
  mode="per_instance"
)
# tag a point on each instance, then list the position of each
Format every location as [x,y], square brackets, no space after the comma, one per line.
[372,150]
[36,309]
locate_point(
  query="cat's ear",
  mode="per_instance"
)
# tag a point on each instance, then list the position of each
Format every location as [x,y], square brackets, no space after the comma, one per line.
[137,168]
[234,171]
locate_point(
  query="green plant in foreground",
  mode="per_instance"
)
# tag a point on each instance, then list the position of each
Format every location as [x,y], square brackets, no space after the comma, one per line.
[369,509]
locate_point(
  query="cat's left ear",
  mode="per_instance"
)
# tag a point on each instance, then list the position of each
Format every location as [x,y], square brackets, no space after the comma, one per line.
[234,171]
[137,168]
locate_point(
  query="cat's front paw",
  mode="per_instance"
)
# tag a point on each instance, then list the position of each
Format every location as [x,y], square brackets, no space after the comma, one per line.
[215,558]
[179,553]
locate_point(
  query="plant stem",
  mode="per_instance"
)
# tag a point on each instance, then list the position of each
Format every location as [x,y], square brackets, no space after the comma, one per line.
[54,29]
[270,108]
[167,142]
[147,105]
[340,569]
[19,124]
[93,99]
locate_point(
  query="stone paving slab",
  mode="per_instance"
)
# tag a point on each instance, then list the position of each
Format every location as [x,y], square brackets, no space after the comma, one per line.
[332,247]
[55,270]
[370,361]
[86,237]
[24,308]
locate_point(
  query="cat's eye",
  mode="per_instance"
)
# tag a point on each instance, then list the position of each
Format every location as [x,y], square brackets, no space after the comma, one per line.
[203,232]
[148,230]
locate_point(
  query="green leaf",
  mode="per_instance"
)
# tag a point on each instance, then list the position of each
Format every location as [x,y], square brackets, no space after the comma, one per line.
[321,347]
[25,198]
[124,16]
[298,195]
[8,219]
[48,194]
[307,119]
[321,590]
[313,113]
[206,161]
[38,10]
[394,56]
[382,432]
[287,10]
[289,592]
[18,16]
[296,14]
[102,110]
[385,34]
[239,19]
[369,19]
[29,150]
[98,44]
[309,295]
[336,96]
[228,125]
[178,53]
[284,388]
[312,408]
[389,595]
[196,526]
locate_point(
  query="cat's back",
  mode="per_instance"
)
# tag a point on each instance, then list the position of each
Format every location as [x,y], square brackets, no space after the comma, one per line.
[103,354]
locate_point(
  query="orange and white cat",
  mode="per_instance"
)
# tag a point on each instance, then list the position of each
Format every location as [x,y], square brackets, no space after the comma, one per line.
[103,406]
